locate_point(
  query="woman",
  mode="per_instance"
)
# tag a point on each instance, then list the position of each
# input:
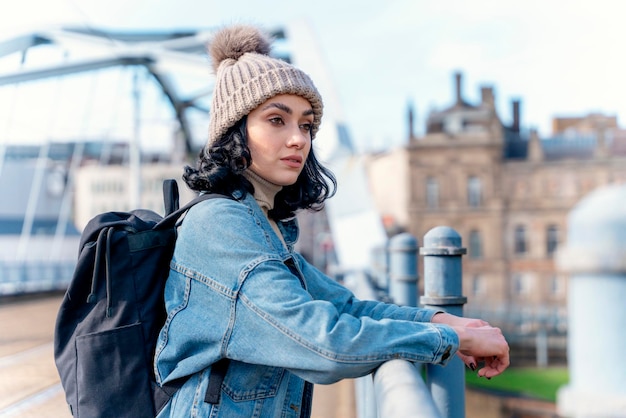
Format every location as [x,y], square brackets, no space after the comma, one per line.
[238,290]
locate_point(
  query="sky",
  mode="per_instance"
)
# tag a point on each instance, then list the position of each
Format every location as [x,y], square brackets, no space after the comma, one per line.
[558,57]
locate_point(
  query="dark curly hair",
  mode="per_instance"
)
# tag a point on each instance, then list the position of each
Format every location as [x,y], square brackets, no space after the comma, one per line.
[220,167]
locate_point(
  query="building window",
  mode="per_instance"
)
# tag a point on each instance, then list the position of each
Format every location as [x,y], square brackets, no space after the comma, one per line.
[555,286]
[432,193]
[520,246]
[478,286]
[474,192]
[517,284]
[521,284]
[552,239]
[475,245]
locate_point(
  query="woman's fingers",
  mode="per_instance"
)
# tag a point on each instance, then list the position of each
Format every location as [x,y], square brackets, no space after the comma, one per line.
[494,365]
[484,345]
[469,361]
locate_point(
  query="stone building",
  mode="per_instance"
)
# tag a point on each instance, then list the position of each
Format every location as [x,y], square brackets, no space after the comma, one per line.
[507,192]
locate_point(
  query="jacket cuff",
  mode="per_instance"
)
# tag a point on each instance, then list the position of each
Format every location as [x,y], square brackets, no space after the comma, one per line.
[449,344]
[425,314]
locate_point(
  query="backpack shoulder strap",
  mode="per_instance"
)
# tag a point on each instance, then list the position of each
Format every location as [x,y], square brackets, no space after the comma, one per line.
[218,373]
[212,394]
[170,196]
[171,219]
[171,200]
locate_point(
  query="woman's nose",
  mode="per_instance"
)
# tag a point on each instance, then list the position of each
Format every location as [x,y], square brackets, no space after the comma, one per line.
[297,138]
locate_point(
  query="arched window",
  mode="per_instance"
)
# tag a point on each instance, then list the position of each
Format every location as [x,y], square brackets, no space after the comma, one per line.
[520,246]
[552,239]
[432,193]
[474,192]
[475,244]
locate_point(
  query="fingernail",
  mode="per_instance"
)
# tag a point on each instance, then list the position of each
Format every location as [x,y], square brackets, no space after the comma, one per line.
[472,366]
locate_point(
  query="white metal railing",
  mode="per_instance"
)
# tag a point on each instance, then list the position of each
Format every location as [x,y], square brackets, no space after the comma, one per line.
[398,388]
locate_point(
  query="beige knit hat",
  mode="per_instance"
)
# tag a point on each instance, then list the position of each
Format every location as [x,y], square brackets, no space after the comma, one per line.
[247,76]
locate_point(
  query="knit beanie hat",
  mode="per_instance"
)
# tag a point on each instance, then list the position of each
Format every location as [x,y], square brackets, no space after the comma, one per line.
[247,76]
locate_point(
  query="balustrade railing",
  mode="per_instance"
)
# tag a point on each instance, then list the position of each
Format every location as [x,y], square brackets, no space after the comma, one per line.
[400,388]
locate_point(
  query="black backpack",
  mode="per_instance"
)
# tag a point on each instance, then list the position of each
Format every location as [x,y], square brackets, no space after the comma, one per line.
[112,311]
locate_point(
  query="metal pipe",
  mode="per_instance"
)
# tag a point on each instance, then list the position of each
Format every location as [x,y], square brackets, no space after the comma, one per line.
[403,276]
[135,197]
[363,386]
[401,392]
[443,290]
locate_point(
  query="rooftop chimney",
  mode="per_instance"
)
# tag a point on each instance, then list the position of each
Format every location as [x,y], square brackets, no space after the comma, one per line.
[535,149]
[458,79]
[487,98]
[516,121]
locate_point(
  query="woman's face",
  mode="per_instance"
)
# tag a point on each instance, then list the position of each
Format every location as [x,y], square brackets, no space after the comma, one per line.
[279,138]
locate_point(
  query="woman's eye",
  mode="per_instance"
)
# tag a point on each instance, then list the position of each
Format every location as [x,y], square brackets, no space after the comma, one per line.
[276,120]
[306,127]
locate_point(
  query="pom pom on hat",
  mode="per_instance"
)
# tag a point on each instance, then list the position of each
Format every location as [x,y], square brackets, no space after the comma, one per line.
[246,76]
[234,41]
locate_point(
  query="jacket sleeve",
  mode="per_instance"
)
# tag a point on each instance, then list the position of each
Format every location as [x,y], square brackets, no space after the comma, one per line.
[320,286]
[318,342]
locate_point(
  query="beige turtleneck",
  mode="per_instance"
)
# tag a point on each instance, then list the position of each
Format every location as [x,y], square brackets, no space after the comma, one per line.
[264,194]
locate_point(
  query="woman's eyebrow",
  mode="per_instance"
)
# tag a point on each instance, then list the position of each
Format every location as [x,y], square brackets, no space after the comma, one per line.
[280,106]
[286,108]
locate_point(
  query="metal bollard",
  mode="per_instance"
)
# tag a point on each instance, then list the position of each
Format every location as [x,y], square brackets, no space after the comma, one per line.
[380,266]
[595,258]
[403,276]
[443,290]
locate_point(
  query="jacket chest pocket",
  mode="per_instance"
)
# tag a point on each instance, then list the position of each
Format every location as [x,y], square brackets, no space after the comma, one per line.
[248,382]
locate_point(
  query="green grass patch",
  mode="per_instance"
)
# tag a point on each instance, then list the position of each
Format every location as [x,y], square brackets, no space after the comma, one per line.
[537,383]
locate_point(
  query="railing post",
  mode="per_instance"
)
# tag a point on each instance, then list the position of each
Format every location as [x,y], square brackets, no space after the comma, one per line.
[595,259]
[380,267]
[403,276]
[443,290]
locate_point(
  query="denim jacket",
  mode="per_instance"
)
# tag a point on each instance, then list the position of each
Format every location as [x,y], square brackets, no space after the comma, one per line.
[236,291]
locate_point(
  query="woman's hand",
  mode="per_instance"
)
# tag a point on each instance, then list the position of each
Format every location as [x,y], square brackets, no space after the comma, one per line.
[479,343]
[483,345]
